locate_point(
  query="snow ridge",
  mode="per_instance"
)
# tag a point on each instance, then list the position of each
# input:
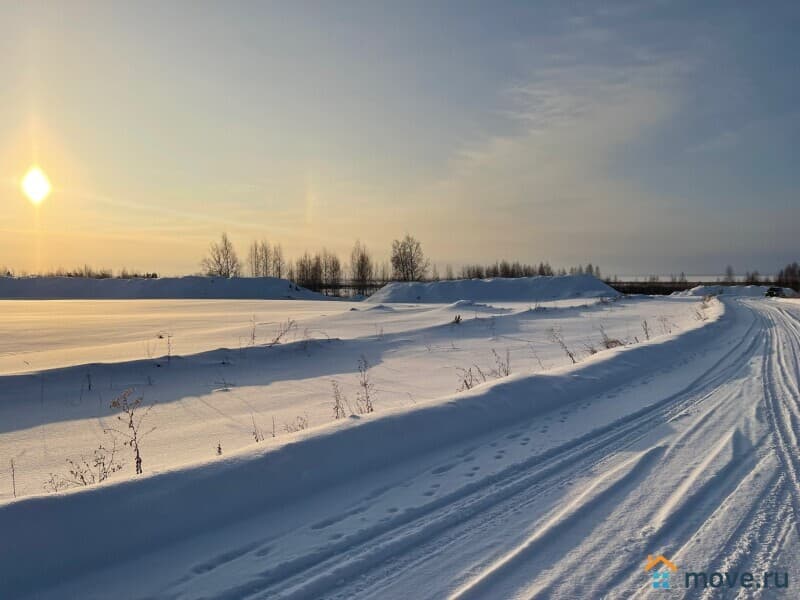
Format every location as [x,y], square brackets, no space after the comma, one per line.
[522,289]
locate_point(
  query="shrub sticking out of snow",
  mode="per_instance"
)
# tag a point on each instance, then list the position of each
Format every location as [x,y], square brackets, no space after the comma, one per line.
[87,471]
[555,336]
[132,419]
[366,392]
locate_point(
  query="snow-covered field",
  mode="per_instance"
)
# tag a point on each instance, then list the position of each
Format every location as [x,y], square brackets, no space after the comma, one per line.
[677,439]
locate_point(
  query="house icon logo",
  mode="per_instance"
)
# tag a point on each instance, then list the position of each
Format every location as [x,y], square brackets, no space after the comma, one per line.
[660,576]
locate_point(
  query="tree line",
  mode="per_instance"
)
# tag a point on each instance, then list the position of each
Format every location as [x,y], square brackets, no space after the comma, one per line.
[85,272]
[789,276]
[320,271]
[504,268]
[324,271]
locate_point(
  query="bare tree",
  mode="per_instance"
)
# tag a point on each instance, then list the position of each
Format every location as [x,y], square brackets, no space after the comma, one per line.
[308,271]
[265,259]
[730,275]
[278,263]
[408,260]
[259,259]
[362,268]
[789,276]
[384,272]
[331,272]
[253,260]
[222,260]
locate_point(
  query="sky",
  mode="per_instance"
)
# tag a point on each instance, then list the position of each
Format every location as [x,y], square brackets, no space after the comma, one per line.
[643,136]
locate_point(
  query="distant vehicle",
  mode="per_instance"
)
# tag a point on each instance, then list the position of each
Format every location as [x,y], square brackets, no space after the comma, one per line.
[775,292]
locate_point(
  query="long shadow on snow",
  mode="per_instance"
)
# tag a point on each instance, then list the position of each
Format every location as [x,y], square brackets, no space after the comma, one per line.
[63,394]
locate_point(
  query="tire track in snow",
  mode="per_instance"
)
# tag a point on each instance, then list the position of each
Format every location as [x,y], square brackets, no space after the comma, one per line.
[739,462]
[779,397]
[591,501]
[353,556]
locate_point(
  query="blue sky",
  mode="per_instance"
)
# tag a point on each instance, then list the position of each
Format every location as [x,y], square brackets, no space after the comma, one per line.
[644,136]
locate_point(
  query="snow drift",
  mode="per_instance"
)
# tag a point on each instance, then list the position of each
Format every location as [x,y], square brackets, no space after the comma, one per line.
[67,288]
[733,290]
[117,522]
[523,289]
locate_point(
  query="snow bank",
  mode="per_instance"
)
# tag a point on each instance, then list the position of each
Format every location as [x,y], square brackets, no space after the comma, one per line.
[732,290]
[169,287]
[46,539]
[523,289]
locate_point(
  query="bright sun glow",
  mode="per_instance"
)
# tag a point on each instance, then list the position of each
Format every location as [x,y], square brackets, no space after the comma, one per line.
[35,185]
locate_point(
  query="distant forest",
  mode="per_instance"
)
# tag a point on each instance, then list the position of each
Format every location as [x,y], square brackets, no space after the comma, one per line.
[324,271]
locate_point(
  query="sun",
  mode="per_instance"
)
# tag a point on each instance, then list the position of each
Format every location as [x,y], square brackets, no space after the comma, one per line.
[35,185]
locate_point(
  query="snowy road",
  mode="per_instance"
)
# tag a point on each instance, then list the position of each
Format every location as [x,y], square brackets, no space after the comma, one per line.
[694,457]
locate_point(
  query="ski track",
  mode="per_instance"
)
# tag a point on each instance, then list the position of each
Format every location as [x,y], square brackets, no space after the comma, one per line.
[709,475]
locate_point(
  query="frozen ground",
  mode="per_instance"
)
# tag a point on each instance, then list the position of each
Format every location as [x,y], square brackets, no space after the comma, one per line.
[44,335]
[683,444]
[51,288]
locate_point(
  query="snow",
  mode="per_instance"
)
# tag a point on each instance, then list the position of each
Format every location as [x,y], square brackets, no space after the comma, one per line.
[214,393]
[732,290]
[680,441]
[305,465]
[44,335]
[167,287]
[523,289]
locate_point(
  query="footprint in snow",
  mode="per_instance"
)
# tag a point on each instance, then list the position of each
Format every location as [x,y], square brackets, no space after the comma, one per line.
[222,559]
[442,469]
[432,490]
